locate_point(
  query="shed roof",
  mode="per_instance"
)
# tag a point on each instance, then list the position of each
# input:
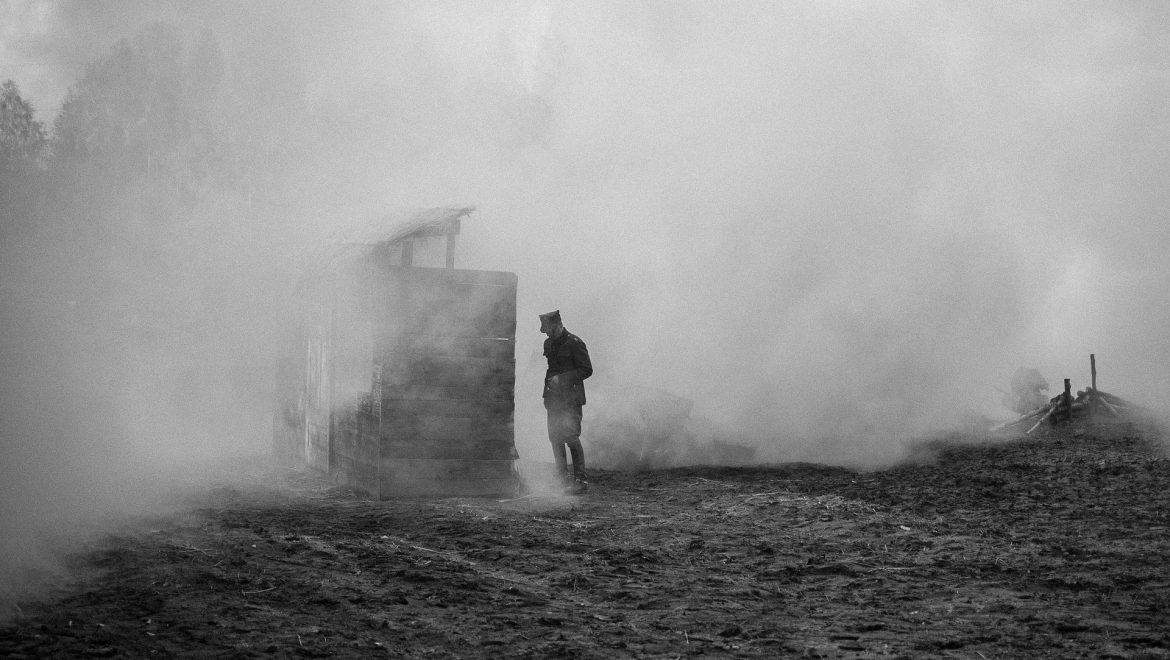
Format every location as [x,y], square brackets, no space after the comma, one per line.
[382,233]
[394,228]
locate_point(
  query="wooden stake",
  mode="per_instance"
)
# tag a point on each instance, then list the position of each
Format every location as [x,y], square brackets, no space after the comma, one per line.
[1066,402]
[1093,369]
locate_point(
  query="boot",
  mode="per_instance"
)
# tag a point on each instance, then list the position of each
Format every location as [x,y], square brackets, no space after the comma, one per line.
[578,484]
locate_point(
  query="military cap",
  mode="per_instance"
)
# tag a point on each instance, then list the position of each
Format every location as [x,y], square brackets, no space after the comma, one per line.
[547,320]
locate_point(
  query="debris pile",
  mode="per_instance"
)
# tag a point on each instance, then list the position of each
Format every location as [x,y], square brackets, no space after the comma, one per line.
[1088,402]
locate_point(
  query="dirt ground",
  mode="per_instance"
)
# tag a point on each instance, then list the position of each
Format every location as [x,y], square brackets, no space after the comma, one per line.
[1051,547]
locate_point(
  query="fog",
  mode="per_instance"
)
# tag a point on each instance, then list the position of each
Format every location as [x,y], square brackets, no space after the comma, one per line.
[833,226]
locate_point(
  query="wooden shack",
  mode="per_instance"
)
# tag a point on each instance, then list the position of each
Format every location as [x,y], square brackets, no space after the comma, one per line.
[397,378]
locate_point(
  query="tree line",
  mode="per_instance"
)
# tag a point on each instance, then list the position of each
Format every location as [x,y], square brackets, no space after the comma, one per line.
[129,228]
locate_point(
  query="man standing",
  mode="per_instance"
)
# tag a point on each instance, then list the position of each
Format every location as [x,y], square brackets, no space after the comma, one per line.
[564,394]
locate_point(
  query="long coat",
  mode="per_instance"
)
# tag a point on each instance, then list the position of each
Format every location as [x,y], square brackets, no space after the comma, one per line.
[568,358]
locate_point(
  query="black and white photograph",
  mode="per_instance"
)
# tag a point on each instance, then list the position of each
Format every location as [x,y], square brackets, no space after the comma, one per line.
[592,329]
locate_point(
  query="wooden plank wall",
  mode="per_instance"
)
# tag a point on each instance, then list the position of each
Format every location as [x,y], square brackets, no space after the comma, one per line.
[303,414]
[318,399]
[424,476]
[354,458]
[447,355]
[288,415]
[401,381]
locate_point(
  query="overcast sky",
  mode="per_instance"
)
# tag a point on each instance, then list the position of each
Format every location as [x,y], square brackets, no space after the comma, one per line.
[811,218]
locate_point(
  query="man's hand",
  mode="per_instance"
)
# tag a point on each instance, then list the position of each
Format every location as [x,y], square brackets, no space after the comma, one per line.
[555,382]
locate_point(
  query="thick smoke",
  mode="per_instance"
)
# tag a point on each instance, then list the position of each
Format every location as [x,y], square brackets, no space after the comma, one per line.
[830,227]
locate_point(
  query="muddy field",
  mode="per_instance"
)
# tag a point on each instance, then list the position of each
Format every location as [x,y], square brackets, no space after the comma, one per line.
[1054,547]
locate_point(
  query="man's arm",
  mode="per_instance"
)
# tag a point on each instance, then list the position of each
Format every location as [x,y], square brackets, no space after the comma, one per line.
[582,366]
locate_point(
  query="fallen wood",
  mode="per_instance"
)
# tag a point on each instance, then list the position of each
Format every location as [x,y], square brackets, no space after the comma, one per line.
[1105,396]
[1013,422]
[1051,409]
[1110,408]
[1003,425]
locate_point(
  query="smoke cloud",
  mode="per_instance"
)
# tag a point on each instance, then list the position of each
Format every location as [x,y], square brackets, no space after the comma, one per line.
[831,226]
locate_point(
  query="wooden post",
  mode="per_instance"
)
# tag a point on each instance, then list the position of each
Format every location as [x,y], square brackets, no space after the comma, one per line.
[1093,370]
[1066,402]
[408,252]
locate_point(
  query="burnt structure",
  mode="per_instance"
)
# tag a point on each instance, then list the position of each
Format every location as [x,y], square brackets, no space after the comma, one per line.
[399,379]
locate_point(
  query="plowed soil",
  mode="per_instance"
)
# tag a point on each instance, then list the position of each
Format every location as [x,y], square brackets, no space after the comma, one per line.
[1050,547]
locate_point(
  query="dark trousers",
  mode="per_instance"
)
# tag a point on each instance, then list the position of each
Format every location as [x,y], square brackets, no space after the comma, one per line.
[564,430]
